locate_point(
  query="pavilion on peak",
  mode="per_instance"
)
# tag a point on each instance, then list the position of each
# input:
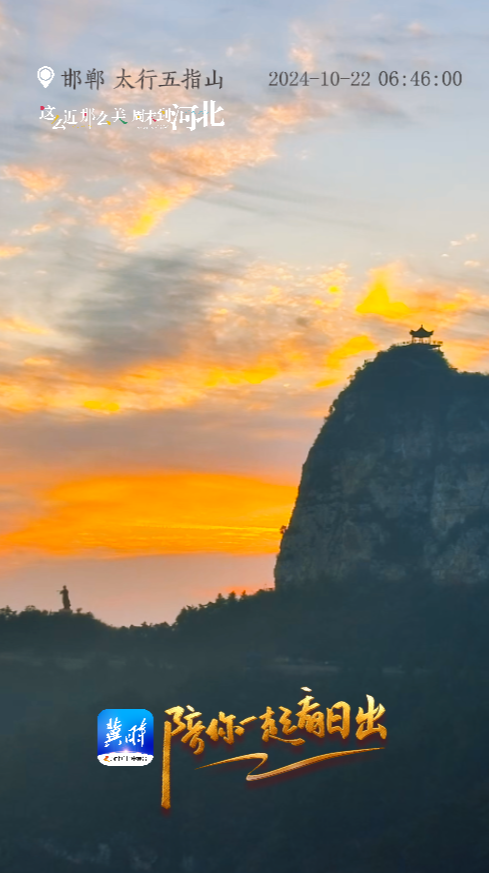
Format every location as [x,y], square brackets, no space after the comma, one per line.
[423,336]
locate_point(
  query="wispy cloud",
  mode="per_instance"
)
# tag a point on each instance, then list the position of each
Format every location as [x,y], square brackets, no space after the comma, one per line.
[38,182]
[8,251]
[425,302]
[158,513]
[469,237]
[170,334]
[417,29]
[303,49]
[36,228]
[185,172]
[19,325]
[181,336]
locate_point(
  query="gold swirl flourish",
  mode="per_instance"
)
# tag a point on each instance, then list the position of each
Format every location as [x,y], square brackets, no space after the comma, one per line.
[306,762]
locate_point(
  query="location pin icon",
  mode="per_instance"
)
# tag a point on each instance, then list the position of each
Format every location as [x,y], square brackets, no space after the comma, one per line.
[45,76]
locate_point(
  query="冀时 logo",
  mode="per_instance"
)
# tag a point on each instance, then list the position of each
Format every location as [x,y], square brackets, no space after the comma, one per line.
[125,737]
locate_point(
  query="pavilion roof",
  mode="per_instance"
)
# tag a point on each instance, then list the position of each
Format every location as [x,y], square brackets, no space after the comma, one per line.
[421,333]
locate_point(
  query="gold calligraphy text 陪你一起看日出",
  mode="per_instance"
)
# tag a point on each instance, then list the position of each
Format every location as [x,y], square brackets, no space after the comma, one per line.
[310,719]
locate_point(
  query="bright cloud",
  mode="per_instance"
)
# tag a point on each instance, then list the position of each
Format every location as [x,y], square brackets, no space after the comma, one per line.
[10,251]
[37,181]
[422,302]
[265,326]
[469,237]
[36,228]
[136,212]
[158,513]
[19,325]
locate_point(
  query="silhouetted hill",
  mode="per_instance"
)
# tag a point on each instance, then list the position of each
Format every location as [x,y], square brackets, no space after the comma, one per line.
[60,810]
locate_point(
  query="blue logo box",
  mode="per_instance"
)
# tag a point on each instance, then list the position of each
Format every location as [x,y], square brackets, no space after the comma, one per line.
[125,737]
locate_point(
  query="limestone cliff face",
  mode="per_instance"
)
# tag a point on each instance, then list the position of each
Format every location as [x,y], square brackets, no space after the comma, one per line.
[396,486]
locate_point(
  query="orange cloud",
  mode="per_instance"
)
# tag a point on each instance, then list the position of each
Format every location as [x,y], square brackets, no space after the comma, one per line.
[157,514]
[274,119]
[36,228]
[353,346]
[10,251]
[378,301]
[468,354]
[306,45]
[158,385]
[136,213]
[22,326]
[268,322]
[422,303]
[272,330]
[37,361]
[302,56]
[343,352]
[214,159]
[37,182]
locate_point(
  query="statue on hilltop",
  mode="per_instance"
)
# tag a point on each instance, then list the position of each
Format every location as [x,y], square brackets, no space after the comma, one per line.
[65,596]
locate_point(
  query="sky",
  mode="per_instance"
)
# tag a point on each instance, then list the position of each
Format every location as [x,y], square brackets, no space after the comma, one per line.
[179,308]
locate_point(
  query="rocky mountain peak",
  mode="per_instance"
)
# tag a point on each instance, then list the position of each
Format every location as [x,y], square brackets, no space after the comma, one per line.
[396,485]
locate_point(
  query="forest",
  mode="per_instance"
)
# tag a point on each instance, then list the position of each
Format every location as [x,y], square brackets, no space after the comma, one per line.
[418,805]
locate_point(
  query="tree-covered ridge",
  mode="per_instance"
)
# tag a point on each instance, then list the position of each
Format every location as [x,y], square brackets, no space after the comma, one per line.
[410,376]
[60,810]
[415,626]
